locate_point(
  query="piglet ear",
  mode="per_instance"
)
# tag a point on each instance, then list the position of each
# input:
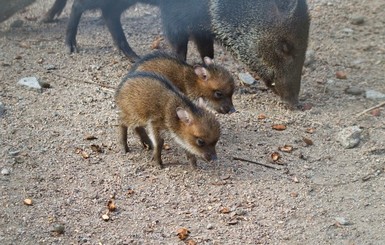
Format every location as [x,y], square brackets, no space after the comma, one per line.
[201,72]
[183,115]
[208,61]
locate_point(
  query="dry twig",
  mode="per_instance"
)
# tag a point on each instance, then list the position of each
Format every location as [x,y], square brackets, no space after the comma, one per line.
[253,162]
[371,108]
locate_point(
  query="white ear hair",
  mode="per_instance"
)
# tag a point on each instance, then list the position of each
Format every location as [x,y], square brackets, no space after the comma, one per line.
[208,61]
[201,102]
[183,115]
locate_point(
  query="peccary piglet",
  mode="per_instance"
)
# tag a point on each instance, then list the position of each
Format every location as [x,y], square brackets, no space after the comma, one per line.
[111,11]
[149,101]
[209,81]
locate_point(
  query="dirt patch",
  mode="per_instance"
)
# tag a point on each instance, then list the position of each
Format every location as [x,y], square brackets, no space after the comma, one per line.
[322,193]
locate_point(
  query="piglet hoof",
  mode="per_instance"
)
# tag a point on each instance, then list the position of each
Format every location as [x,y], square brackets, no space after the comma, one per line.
[159,166]
[147,145]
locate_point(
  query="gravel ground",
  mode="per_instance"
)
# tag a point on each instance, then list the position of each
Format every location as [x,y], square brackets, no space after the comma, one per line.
[59,148]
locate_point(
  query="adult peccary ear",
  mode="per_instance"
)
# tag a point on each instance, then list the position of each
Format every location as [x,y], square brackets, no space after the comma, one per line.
[285,8]
[183,115]
[208,61]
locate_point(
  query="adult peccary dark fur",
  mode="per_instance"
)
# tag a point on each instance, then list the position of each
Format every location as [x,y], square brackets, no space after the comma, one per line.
[111,11]
[269,36]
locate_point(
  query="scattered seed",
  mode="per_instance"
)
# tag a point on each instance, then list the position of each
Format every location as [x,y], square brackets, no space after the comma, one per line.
[96,148]
[191,242]
[307,141]
[111,206]
[224,210]
[294,194]
[279,127]
[376,112]
[286,148]
[90,137]
[341,75]
[28,202]
[183,233]
[261,116]
[275,156]
[166,147]
[310,130]
[156,43]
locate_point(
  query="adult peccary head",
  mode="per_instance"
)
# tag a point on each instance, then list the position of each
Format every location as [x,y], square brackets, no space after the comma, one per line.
[269,36]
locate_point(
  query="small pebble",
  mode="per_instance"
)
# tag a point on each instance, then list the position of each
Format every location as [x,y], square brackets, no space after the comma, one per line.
[246,78]
[354,91]
[30,82]
[210,227]
[105,217]
[58,228]
[347,30]
[2,109]
[357,20]
[309,58]
[374,95]
[14,153]
[50,67]
[5,171]
[342,221]
[44,84]
[240,212]
[350,137]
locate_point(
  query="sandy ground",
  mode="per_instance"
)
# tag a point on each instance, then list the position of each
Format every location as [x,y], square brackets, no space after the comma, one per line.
[320,193]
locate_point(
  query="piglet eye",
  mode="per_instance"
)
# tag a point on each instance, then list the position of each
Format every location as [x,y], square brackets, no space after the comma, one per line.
[218,94]
[201,142]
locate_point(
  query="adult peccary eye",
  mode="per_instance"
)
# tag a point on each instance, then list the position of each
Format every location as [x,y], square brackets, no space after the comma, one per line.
[201,142]
[218,94]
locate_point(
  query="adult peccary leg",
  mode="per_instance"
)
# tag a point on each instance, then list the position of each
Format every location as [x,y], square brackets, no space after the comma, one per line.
[55,10]
[10,7]
[72,28]
[112,18]
[205,44]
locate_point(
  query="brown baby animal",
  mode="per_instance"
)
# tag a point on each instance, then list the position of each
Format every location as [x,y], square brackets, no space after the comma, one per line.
[148,101]
[209,81]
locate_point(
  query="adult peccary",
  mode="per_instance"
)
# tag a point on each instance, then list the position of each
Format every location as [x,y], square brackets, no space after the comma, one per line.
[269,36]
[111,11]
[10,7]
[54,11]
